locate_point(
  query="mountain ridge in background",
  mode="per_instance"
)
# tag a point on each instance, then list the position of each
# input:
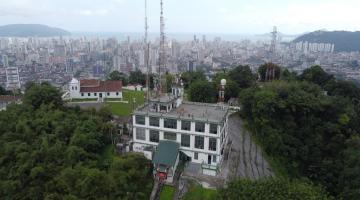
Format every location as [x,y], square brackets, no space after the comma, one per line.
[31,30]
[345,41]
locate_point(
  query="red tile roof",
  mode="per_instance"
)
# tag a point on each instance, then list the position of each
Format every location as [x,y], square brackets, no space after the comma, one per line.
[89,83]
[9,98]
[103,86]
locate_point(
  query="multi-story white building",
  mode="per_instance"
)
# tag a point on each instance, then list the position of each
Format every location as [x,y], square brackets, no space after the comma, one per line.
[95,89]
[12,78]
[199,129]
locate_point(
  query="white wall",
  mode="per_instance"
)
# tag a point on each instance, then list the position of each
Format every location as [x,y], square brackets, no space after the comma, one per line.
[78,95]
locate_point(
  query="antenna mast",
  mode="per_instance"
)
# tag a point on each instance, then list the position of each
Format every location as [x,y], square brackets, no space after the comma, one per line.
[147,52]
[162,52]
[274,35]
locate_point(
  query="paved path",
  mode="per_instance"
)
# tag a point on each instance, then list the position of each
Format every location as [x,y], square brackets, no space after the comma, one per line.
[244,156]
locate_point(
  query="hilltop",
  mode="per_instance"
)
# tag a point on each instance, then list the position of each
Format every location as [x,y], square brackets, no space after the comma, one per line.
[31,30]
[345,41]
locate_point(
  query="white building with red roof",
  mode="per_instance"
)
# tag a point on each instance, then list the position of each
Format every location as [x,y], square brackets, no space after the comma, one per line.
[95,89]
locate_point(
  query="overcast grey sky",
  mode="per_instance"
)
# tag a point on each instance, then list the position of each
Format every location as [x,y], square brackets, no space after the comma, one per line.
[188,16]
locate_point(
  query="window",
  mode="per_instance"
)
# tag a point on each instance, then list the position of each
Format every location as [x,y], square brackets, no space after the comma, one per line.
[170,123]
[117,94]
[154,136]
[200,127]
[185,125]
[162,108]
[213,128]
[140,134]
[82,94]
[140,119]
[154,121]
[196,156]
[72,87]
[212,144]
[185,140]
[75,87]
[199,142]
[89,94]
[214,158]
[108,93]
[95,94]
[170,136]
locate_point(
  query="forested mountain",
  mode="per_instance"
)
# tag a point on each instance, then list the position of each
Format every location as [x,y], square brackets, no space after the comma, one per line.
[344,41]
[30,30]
[48,151]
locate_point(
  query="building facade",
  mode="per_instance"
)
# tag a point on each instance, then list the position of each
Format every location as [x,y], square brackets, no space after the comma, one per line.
[95,89]
[199,129]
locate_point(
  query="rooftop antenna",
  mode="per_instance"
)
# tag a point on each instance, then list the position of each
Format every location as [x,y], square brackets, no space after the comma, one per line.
[162,53]
[147,49]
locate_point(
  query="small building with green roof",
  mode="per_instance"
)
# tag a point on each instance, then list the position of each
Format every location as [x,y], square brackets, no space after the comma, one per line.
[165,160]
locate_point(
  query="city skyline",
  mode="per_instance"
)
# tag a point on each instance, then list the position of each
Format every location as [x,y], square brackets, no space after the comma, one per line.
[202,16]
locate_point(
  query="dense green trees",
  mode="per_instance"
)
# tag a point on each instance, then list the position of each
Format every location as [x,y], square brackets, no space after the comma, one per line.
[4,92]
[137,77]
[39,94]
[307,129]
[202,91]
[48,151]
[243,76]
[118,76]
[191,77]
[278,189]
[350,177]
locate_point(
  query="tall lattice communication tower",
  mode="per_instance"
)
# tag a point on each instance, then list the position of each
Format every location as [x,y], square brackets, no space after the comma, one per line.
[270,68]
[162,52]
[147,54]
[274,37]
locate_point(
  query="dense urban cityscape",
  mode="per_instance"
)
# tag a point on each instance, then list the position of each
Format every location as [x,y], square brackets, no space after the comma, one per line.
[58,59]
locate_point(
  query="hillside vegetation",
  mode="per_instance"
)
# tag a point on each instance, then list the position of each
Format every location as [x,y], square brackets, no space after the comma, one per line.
[48,151]
[310,124]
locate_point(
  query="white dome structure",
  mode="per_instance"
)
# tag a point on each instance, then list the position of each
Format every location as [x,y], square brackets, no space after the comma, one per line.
[74,81]
[223,82]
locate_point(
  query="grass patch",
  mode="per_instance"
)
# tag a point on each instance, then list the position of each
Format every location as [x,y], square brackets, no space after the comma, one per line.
[125,109]
[120,109]
[167,193]
[197,192]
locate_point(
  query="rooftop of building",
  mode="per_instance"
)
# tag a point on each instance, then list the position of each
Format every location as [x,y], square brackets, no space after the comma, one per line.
[191,111]
[9,98]
[166,153]
[164,98]
[95,85]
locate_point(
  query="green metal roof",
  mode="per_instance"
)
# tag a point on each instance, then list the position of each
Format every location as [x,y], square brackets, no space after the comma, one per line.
[166,153]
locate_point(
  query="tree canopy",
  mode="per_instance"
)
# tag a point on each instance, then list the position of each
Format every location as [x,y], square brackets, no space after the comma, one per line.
[243,76]
[49,151]
[307,129]
[202,91]
[4,92]
[119,76]
[137,77]
[279,189]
